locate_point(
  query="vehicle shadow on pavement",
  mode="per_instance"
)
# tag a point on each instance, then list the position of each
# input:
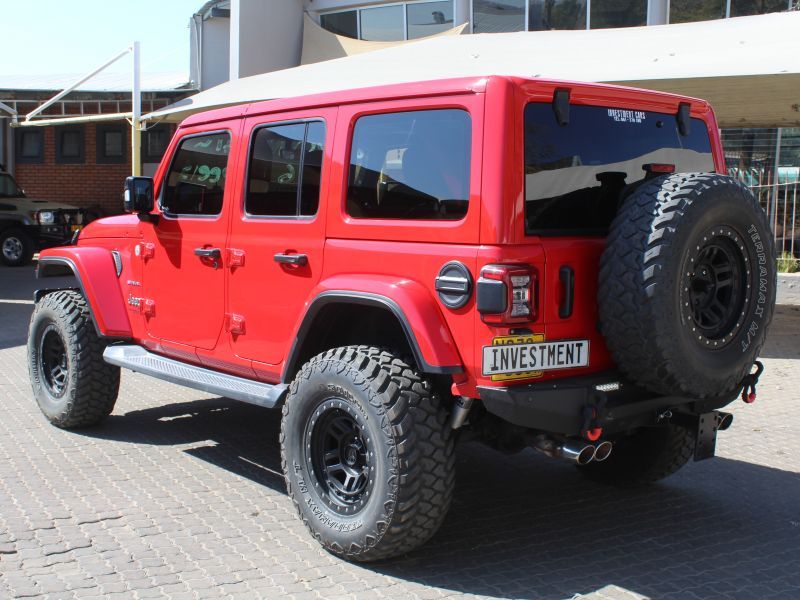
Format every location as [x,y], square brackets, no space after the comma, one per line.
[15,319]
[245,437]
[526,526]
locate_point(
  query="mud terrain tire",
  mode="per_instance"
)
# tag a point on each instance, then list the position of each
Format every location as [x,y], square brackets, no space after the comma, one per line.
[73,385]
[687,285]
[646,456]
[366,453]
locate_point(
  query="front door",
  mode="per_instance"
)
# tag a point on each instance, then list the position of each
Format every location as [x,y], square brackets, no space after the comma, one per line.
[278,236]
[183,252]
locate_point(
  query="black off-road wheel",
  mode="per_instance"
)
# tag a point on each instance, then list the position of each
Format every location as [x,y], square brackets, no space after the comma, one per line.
[366,453]
[687,285]
[16,248]
[646,456]
[72,384]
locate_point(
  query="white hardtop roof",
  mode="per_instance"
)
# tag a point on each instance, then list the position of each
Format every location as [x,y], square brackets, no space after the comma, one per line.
[747,67]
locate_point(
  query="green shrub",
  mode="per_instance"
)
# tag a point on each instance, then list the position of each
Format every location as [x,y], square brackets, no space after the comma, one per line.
[788,263]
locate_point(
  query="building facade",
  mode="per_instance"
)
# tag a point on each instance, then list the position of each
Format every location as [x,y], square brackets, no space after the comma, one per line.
[266,35]
[84,164]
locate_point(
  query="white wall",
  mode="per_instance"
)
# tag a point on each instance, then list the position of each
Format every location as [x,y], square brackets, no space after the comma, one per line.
[216,52]
[266,35]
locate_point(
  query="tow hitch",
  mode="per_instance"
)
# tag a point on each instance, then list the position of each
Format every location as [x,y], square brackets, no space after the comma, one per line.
[749,383]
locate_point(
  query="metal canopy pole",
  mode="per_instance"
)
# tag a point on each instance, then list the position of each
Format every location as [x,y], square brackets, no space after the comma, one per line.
[66,91]
[136,119]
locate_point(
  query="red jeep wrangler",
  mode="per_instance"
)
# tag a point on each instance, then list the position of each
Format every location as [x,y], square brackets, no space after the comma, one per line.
[527,263]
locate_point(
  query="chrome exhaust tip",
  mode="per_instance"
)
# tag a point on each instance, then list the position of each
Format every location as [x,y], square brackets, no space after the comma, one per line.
[577,452]
[603,450]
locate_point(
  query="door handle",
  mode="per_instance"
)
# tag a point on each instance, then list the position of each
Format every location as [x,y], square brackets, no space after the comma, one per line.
[300,260]
[214,254]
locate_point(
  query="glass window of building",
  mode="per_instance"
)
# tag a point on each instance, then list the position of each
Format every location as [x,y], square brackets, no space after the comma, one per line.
[743,8]
[556,14]
[618,13]
[429,18]
[687,11]
[382,23]
[493,16]
[341,23]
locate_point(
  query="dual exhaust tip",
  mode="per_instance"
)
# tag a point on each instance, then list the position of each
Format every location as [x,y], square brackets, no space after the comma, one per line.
[578,452]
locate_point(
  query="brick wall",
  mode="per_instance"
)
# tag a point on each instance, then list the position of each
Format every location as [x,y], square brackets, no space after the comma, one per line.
[87,185]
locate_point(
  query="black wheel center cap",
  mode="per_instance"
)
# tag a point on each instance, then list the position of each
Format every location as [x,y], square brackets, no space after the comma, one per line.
[351,455]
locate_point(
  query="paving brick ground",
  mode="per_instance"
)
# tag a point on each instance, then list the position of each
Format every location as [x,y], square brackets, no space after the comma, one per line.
[179,495]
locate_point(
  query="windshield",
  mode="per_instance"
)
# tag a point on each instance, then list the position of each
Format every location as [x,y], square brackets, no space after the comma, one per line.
[9,188]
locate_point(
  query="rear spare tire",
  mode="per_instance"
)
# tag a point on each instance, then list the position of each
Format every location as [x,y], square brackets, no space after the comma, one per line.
[687,285]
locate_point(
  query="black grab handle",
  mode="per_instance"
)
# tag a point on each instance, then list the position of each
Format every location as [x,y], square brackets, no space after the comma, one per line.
[567,277]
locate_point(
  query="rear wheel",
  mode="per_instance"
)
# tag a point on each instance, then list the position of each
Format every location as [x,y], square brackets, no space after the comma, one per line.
[16,248]
[73,385]
[366,453]
[646,456]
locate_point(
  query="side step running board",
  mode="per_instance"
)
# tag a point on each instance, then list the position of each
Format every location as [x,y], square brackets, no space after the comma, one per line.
[140,360]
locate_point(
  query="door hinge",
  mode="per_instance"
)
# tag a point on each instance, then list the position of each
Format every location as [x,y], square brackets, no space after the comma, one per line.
[144,306]
[234,323]
[235,258]
[145,250]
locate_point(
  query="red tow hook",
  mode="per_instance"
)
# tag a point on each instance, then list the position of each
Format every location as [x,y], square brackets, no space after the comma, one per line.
[749,384]
[593,434]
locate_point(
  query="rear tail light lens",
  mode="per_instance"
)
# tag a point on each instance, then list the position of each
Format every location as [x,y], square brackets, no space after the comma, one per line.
[507,294]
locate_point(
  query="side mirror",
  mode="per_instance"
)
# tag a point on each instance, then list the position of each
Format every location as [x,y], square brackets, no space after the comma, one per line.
[138,195]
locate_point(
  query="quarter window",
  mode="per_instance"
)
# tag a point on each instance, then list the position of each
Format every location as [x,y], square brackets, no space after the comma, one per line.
[285,170]
[196,180]
[410,165]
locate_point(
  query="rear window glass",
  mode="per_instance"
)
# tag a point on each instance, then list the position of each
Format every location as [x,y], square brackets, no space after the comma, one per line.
[576,175]
[410,165]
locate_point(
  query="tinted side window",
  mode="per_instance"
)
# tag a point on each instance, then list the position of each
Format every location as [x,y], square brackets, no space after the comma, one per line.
[196,179]
[285,170]
[577,175]
[410,165]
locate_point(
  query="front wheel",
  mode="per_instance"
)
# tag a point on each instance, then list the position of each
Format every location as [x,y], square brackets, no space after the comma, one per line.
[73,385]
[366,453]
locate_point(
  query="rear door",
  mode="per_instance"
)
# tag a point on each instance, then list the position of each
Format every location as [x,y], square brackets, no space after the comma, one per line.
[278,233]
[576,176]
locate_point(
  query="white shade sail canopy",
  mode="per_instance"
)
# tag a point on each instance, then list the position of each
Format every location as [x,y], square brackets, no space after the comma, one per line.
[747,67]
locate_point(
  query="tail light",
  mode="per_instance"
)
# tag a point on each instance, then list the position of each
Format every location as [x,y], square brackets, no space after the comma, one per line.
[507,294]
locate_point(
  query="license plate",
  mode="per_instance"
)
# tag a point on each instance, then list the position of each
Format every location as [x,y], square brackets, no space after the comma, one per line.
[76,227]
[515,358]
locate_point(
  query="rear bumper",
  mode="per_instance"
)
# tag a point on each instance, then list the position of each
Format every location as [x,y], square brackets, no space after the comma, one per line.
[572,406]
